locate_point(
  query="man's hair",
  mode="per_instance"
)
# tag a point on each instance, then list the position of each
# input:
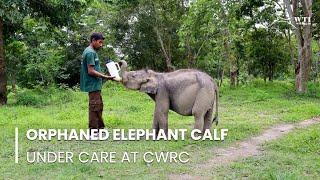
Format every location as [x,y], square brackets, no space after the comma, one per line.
[96,36]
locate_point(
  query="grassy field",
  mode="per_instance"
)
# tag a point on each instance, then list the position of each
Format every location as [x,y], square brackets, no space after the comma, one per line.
[295,156]
[245,111]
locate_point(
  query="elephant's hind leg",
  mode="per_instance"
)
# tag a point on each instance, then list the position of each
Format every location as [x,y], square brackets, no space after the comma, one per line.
[200,108]
[208,120]
[198,124]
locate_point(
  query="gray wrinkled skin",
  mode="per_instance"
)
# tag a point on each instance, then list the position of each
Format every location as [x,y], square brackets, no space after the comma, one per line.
[188,92]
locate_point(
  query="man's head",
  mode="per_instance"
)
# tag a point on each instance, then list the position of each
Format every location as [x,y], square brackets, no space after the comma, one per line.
[96,40]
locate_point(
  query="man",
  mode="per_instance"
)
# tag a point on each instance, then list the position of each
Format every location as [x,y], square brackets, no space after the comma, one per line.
[91,80]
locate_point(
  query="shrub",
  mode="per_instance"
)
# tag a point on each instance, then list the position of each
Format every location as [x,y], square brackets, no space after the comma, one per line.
[40,97]
[313,89]
[28,97]
[260,95]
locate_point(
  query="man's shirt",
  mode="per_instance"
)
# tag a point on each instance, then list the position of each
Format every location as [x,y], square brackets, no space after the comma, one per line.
[89,83]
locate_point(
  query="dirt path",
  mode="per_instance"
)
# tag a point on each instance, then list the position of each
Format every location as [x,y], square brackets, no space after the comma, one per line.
[249,147]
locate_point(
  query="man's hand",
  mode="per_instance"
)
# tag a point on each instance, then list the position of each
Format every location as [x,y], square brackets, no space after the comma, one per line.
[110,77]
[93,72]
[107,77]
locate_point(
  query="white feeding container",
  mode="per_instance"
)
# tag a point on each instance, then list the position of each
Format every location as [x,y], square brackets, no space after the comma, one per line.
[113,69]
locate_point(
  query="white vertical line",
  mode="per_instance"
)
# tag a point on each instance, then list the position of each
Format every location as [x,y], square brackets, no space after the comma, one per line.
[16,145]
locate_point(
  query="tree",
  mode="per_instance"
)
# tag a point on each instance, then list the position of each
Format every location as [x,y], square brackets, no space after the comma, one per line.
[285,28]
[316,35]
[215,25]
[304,40]
[267,54]
[147,32]
[316,19]
[12,13]
[233,72]
[196,32]
[3,68]
[96,18]
[316,66]
[15,52]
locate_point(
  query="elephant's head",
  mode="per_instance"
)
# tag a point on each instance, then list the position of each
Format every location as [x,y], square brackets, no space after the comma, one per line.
[143,80]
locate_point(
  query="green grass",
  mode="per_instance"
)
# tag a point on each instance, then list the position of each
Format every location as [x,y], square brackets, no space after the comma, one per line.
[294,156]
[246,111]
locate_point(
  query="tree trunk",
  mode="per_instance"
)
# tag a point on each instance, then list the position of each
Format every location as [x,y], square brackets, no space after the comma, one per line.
[193,54]
[237,72]
[305,62]
[3,69]
[221,80]
[218,73]
[189,55]
[269,72]
[226,45]
[293,62]
[265,70]
[315,75]
[13,78]
[289,39]
[165,52]
[303,42]
[305,59]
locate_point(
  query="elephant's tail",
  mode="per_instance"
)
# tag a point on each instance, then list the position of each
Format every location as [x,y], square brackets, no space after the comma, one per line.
[216,118]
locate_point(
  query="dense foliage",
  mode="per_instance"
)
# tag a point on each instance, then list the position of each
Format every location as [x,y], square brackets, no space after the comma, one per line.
[43,41]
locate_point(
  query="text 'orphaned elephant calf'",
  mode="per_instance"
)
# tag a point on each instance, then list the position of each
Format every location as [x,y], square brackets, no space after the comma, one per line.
[188,92]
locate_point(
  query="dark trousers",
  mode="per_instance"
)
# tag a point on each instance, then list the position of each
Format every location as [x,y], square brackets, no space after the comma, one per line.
[95,110]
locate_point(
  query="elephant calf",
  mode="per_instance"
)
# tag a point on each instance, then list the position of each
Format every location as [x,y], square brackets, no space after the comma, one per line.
[186,91]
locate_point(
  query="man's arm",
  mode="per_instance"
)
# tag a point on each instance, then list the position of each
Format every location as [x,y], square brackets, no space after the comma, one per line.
[93,72]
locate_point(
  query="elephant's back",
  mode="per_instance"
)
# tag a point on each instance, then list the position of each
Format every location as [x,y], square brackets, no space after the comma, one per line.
[187,77]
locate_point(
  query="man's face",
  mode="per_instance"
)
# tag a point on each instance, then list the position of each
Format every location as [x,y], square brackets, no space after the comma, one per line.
[97,44]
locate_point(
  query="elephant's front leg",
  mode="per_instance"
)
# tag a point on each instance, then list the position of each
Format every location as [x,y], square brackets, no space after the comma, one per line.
[155,125]
[160,119]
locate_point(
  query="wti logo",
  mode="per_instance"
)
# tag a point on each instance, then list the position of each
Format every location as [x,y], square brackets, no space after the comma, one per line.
[304,21]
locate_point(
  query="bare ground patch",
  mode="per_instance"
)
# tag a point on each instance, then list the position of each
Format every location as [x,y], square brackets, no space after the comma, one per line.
[244,149]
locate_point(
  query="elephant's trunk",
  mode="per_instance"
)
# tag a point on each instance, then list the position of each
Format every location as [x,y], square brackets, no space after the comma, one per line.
[123,69]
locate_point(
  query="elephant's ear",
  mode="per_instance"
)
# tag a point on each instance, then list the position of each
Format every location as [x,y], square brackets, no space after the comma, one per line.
[150,86]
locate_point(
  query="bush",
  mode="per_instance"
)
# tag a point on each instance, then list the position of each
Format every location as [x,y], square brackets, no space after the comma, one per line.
[313,89]
[260,95]
[41,97]
[28,97]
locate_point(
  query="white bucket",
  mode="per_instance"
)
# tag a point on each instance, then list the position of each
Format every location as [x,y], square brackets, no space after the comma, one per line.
[113,69]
